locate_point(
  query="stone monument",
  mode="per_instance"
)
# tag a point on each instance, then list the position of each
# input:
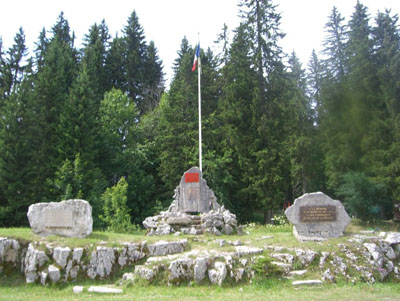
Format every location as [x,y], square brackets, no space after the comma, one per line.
[194,210]
[72,218]
[316,216]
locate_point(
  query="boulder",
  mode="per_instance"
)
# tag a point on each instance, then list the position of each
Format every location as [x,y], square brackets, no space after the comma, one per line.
[72,218]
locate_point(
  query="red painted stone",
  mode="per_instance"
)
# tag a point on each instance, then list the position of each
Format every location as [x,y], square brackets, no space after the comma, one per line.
[192,177]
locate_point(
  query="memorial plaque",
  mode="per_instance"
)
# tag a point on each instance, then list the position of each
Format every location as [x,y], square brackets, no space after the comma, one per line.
[56,218]
[317,214]
[71,218]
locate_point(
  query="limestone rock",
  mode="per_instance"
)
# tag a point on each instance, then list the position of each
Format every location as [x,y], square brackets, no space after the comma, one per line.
[305,256]
[145,272]
[34,259]
[306,282]
[200,269]
[247,251]
[218,274]
[180,269]
[72,218]
[77,289]
[9,249]
[393,238]
[101,262]
[54,273]
[104,290]
[316,216]
[60,256]
[162,247]
[376,253]
[327,276]
[77,255]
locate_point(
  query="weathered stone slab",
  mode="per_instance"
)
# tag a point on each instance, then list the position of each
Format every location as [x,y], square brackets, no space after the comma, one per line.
[316,216]
[193,192]
[72,218]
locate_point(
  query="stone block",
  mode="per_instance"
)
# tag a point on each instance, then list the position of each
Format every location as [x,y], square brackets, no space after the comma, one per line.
[72,218]
[316,216]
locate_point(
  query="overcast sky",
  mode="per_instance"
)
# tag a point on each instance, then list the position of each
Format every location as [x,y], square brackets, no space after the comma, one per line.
[166,22]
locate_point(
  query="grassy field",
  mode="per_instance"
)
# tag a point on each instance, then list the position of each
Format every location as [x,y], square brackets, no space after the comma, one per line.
[273,289]
[15,288]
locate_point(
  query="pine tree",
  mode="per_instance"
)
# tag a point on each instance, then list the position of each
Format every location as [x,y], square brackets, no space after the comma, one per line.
[135,55]
[335,43]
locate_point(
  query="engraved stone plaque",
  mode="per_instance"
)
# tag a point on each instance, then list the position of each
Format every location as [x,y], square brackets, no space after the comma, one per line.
[194,194]
[315,214]
[71,218]
[58,218]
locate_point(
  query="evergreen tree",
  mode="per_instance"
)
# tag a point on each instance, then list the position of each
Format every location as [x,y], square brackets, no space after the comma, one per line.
[135,55]
[335,44]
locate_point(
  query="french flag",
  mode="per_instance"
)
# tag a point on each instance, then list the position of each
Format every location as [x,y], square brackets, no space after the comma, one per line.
[196,57]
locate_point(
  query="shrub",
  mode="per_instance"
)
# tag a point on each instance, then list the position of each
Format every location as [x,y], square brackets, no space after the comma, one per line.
[116,212]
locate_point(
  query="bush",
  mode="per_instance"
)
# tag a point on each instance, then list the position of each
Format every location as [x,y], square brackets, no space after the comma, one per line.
[116,212]
[361,197]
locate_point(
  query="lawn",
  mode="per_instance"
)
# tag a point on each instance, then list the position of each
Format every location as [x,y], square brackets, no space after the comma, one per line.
[15,288]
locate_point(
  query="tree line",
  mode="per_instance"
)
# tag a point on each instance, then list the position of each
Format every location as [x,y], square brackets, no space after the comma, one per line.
[98,123]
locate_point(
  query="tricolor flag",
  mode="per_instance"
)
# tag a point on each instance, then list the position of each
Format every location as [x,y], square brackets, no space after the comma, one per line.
[196,57]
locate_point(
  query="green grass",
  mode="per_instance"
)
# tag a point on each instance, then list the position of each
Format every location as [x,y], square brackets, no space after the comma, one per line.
[273,289]
[14,288]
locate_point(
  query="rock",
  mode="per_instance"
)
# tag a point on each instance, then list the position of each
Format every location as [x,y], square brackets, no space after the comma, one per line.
[327,276]
[316,216]
[297,273]
[145,272]
[241,251]
[322,260]
[73,272]
[306,282]
[221,242]
[72,218]
[34,259]
[129,276]
[43,278]
[54,273]
[393,238]
[287,258]
[104,290]
[77,289]
[305,257]
[237,243]
[200,269]
[341,266]
[237,274]
[77,255]
[180,269]
[218,274]
[60,256]
[285,267]
[162,247]
[101,262]
[376,253]
[228,229]
[9,249]
[179,220]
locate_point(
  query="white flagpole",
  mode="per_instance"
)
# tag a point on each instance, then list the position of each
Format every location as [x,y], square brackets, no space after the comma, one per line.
[199,88]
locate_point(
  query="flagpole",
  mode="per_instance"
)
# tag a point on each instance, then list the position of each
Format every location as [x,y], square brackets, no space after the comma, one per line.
[199,97]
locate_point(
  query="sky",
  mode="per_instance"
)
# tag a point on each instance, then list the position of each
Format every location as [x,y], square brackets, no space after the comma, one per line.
[166,22]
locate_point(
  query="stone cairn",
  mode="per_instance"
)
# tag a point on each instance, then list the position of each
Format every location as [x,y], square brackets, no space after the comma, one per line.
[194,210]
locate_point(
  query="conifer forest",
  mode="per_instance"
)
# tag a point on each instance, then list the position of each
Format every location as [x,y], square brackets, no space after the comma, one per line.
[83,121]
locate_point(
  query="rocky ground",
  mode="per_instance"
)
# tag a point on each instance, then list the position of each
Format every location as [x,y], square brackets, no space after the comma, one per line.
[357,257]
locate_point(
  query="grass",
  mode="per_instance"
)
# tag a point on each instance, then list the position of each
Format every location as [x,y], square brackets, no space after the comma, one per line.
[272,289]
[15,288]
